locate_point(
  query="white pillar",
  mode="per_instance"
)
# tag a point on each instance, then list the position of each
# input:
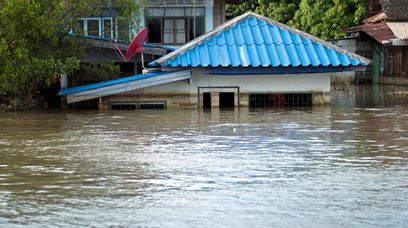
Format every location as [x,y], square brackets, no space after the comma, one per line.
[209,15]
[64,81]
[142,19]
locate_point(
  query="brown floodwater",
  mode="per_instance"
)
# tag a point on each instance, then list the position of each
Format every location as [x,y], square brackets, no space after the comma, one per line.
[344,165]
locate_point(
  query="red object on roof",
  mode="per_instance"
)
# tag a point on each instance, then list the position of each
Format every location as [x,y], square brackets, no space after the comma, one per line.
[137,43]
[135,46]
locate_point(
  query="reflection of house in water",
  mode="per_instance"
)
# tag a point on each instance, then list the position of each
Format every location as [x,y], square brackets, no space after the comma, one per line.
[247,61]
[384,38]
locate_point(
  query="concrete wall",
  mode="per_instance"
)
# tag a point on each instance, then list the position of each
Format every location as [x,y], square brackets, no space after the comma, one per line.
[246,83]
[185,93]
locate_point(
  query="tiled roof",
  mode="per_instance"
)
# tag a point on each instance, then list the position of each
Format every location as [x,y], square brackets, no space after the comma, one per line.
[254,40]
[396,10]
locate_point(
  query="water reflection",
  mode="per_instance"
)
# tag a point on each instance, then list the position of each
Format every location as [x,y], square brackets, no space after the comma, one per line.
[340,165]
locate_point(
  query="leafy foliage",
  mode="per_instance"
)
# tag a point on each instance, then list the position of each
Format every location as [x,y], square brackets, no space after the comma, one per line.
[322,18]
[35,48]
[105,70]
[327,18]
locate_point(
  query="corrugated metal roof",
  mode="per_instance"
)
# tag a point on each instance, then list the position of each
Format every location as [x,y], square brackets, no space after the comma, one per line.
[376,18]
[396,10]
[254,40]
[400,29]
[379,31]
[98,85]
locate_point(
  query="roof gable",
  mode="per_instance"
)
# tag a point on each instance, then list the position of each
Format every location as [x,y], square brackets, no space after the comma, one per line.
[254,40]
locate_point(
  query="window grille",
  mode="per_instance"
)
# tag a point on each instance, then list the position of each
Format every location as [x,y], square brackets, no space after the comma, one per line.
[280,99]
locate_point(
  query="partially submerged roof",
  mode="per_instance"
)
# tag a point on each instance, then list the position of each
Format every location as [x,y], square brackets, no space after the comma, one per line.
[122,85]
[254,40]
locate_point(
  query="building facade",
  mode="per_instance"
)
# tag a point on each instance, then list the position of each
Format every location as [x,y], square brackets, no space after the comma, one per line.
[384,35]
[250,60]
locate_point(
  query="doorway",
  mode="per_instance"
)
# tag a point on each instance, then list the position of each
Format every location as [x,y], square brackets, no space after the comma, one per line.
[227,100]
[206,100]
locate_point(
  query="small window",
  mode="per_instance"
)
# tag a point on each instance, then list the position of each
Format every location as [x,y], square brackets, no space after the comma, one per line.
[280,99]
[107,28]
[199,27]
[123,106]
[99,27]
[174,30]
[152,106]
[93,27]
[79,29]
[140,105]
[154,30]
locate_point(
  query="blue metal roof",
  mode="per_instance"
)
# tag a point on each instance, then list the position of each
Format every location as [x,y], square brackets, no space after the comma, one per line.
[254,40]
[98,85]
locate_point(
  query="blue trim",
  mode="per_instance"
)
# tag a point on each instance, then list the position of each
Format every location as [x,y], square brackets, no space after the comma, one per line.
[169,48]
[98,85]
[279,70]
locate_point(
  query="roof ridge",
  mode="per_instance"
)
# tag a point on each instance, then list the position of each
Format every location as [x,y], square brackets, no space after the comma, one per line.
[194,43]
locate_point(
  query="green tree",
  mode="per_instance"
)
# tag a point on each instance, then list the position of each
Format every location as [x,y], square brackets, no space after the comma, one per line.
[322,18]
[279,10]
[327,18]
[35,45]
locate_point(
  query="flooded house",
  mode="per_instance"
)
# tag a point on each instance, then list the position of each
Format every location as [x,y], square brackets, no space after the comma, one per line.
[383,38]
[249,60]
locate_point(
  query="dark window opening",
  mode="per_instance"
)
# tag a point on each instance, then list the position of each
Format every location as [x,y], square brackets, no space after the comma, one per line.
[139,68]
[174,30]
[140,105]
[207,100]
[151,106]
[199,27]
[227,100]
[123,106]
[280,100]
[127,67]
[155,27]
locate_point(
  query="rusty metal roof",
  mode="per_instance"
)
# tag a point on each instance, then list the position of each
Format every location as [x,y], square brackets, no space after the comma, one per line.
[376,18]
[379,31]
[400,29]
[396,10]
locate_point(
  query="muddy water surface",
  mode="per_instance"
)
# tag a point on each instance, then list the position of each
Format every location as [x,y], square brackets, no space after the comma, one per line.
[344,165]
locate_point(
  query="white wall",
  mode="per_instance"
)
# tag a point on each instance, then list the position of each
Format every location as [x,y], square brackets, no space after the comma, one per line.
[246,83]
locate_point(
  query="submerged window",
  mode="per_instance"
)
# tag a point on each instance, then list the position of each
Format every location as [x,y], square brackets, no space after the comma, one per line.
[138,105]
[159,105]
[123,106]
[280,99]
